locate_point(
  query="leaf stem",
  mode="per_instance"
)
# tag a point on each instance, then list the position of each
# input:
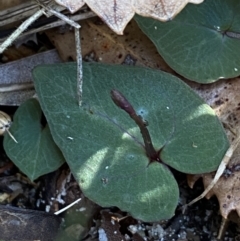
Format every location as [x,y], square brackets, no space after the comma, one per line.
[124,104]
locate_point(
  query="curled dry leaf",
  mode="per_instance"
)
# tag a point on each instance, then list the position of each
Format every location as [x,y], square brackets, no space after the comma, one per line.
[224,98]
[117,13]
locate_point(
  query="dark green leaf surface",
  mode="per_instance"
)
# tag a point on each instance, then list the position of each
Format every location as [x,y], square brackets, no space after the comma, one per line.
[104,147]
[35,154]
[197,42]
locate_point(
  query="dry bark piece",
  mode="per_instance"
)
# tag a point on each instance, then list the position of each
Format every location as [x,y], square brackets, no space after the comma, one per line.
[16,86]
[23,224]
[117,13]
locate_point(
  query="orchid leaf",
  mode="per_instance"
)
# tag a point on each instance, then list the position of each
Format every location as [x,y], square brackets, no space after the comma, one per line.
[104,147]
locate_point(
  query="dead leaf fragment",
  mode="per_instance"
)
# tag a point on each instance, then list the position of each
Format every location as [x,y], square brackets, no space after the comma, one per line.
[223,97]
[72,5]
[226,191]
[117,13]
[99,43]
[163,10]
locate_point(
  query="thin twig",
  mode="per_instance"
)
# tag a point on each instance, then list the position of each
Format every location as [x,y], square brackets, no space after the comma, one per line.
[65,19]
[18,12]
[59,15]
[79,66]
[80,16]
[20,29]
[78,49]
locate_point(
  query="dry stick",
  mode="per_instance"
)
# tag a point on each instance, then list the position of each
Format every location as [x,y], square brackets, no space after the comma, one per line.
[80,16]
[61,16]
[18,12]
[219,172]
[34,17]
[25,10]
[78,50]
[79,66]
[20,29]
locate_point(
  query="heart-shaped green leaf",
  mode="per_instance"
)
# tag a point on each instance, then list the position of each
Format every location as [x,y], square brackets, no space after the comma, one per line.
[35,154]
[202,43]
[104,147]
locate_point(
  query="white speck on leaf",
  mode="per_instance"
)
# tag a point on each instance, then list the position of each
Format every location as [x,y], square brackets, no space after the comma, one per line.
[82,209]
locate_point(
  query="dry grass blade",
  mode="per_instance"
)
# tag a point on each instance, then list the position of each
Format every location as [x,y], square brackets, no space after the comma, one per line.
[219,172]
[20,29]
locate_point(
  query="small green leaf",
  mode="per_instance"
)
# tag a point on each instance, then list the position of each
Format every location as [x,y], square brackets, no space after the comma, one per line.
[104,147]
[35,154]
[197,43]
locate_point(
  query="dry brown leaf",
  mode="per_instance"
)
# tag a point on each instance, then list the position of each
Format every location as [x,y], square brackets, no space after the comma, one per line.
[163,10]
[99,43]
[117,13]
[224,98]
[227,189]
